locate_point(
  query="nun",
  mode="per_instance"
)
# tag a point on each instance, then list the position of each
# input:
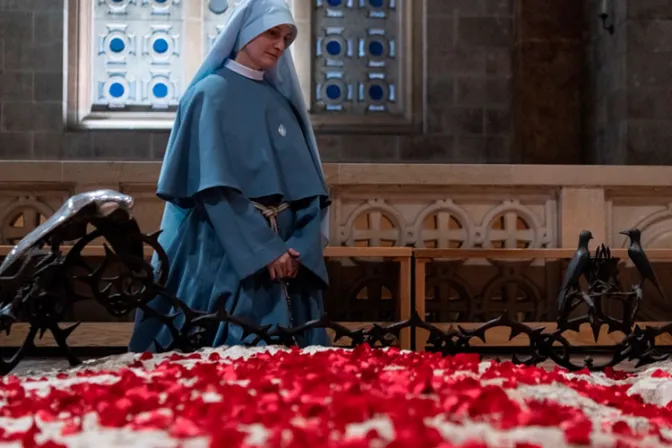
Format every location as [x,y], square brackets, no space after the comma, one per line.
[246,214]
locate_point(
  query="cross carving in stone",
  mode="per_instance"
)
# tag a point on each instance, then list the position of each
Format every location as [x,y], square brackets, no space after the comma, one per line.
[443,234]
[374,233]
[20,224]
[510,234]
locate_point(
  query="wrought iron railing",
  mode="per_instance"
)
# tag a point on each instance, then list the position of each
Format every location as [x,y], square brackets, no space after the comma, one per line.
[38,286]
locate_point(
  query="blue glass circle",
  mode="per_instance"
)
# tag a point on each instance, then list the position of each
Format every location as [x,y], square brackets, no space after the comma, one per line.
[160,1]
[334,48]
[333,92]
[117,45]
[160,90]
[117,90]
[376,92]
[218,6]
[334,2]
[377,3]
[160,45]
[376,48]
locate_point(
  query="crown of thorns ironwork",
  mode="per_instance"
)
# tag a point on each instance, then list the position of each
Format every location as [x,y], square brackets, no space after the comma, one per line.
[43,284]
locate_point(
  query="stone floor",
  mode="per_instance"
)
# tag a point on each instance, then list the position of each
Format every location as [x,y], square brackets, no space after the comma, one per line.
[36,365]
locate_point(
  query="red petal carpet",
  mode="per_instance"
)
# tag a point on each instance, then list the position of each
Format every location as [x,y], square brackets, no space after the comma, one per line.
[359,398]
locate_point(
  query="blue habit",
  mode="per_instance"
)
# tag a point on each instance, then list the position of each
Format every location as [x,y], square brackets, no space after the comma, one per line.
[245,143]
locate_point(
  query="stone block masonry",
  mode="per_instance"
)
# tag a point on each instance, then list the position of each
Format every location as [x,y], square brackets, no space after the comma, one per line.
[467,93]
[505,81]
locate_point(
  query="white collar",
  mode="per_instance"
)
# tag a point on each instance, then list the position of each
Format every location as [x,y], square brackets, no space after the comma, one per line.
[244,71]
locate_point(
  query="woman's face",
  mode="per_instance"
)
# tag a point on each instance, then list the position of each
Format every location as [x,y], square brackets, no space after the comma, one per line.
[263,52]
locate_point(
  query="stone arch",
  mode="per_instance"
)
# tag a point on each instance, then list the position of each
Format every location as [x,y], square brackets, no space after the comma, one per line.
[437,303]
[21,217]
[656,230]
[373,297]
[384,225]
[533,306]
[512,213]
[445,211]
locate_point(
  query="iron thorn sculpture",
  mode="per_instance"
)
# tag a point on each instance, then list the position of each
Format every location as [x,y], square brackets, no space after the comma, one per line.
[38,286]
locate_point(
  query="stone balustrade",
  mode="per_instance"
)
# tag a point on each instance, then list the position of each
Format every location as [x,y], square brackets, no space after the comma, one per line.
[419,205]
[435,207]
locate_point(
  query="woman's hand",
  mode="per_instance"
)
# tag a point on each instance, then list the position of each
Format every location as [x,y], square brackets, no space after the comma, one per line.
[286,266]
[295,262]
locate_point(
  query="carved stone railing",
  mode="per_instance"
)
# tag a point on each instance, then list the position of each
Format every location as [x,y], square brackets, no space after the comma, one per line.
[425,206]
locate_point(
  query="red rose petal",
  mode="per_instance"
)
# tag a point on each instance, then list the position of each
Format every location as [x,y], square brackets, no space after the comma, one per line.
[71,427]
[577,431]
[52,444]
[658,373]
[183,428]
[155,419]
[229,437]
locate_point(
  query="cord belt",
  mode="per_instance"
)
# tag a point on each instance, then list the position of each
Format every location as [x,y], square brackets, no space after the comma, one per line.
[271,214]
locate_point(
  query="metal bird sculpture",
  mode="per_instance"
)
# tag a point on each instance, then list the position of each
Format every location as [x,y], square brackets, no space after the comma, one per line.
[641,261]
[578,266]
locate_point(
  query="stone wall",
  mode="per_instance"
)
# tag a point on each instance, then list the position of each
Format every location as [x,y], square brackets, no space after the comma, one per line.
[31,41]
[606,83]
[649,82]
[629,80]
[468,83]
[466,90]
[505,81]
[547,91]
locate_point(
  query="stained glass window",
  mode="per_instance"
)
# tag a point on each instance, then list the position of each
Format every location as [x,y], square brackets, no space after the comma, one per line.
[139,49]
[130,60]
[356,68]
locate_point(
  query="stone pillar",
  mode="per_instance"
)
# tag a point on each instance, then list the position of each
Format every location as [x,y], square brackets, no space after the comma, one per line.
[629,83]
[582,209]
[547,65]
[649,81]
[605,96]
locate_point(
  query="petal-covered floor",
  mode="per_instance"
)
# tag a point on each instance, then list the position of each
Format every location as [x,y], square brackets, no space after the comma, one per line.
[332,398]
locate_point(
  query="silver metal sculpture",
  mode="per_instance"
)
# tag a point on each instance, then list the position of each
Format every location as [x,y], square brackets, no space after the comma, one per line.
[37,284]
[70,221]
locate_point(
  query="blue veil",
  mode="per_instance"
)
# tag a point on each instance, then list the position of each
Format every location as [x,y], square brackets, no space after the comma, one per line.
[247,20]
